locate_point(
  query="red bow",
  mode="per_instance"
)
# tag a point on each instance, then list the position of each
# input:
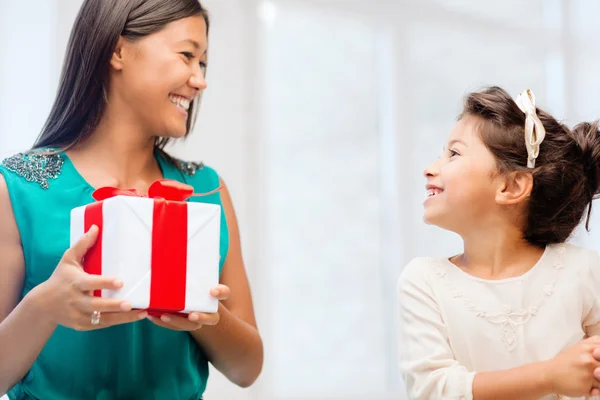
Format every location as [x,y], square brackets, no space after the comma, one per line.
[162,189]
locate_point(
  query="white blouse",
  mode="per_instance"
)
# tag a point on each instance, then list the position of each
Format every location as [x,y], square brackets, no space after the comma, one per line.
[453,325]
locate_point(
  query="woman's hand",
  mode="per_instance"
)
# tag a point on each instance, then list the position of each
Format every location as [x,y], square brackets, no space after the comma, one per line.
[67,296]
[195,320]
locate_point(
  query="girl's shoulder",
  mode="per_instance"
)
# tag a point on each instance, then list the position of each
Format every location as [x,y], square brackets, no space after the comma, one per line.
[573,259]
[576,257]
[418,272]
[579,259]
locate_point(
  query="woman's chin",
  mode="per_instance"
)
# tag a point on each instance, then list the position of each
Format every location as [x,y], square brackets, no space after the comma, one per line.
[176,133]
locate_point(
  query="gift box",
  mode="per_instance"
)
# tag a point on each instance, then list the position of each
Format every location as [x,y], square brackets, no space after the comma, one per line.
[164,249]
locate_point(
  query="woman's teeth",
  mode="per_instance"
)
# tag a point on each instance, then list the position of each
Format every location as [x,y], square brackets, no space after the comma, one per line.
[433,192]
[180,102]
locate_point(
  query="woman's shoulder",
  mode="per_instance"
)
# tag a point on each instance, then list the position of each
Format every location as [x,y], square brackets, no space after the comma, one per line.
[188,168]
[37,167]
[203,178]
[196,173]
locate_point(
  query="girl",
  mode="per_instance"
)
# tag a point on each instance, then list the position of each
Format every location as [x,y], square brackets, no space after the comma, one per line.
[133,73]
[514,316]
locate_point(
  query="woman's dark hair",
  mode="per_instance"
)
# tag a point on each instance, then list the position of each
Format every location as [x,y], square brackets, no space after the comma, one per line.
[81,98]
[566,177]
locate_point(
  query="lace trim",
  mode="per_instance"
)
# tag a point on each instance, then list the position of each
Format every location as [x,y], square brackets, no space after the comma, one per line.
[508,320]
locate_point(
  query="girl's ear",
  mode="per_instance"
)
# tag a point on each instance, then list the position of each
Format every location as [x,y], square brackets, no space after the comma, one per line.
[514,188]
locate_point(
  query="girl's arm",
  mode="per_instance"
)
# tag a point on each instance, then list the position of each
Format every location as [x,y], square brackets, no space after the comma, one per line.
[430,371]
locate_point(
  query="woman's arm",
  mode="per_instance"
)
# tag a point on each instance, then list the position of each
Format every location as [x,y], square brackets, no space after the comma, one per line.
[64,299]
[24,330]
[234,345]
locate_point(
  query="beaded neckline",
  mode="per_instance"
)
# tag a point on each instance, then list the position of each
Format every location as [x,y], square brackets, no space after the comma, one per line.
[43,165]
[36,166]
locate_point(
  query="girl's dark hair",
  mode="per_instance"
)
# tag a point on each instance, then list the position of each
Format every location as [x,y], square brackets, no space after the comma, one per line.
[81,97]
[566,177]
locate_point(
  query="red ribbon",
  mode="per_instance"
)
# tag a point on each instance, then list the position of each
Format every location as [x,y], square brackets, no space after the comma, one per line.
[169,240]
[165,188]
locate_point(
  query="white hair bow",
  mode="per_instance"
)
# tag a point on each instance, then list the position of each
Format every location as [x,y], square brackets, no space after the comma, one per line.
[534,129]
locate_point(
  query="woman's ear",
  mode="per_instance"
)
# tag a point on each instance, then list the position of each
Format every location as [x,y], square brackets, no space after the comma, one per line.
[117,60]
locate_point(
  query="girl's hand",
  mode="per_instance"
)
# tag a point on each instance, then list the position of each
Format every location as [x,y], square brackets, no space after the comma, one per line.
[571,373]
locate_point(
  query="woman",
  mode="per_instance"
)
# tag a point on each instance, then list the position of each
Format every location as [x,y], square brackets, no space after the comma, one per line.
[133,73]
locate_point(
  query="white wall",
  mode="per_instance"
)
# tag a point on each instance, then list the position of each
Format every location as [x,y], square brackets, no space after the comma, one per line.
[28,70]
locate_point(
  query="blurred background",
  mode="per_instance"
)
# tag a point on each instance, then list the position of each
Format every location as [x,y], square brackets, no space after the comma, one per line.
[320,115]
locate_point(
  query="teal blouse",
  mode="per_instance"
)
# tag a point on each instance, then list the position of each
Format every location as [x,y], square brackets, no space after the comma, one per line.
[133,361]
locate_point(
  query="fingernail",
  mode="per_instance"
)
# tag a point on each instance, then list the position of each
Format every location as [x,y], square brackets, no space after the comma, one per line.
[214,292]
[165,318]
[150,317]
[144,315]
[125,306]
[193,317]
[118,282]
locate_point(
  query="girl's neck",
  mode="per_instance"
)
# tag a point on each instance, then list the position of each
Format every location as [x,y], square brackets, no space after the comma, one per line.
[497,253]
